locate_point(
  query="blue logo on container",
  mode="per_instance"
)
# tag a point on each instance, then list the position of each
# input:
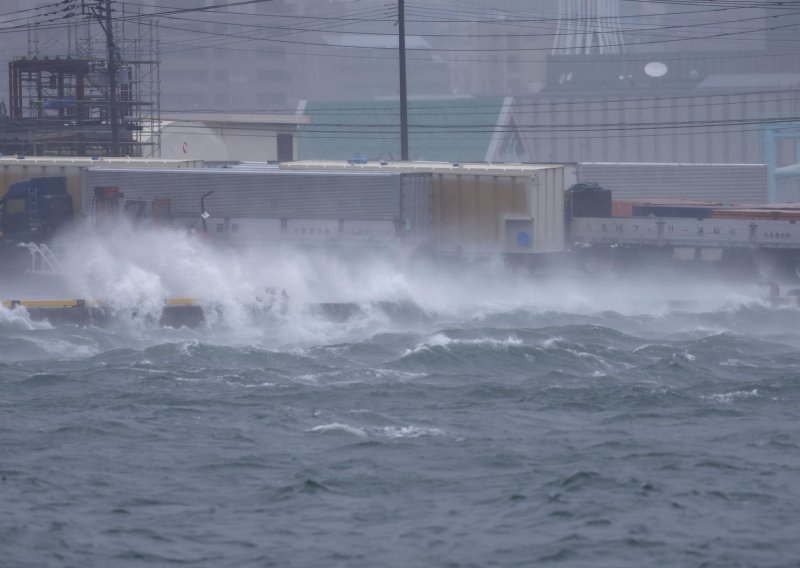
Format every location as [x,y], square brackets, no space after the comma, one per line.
[523,239]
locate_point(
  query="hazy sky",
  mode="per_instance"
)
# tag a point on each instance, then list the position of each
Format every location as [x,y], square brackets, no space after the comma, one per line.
[271,54]
[609,80]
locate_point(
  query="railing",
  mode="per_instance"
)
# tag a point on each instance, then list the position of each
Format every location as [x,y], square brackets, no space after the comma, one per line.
[43,261]
[687,232]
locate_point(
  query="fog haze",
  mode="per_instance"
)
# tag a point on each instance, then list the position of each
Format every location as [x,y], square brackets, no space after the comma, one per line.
[270,55]
[529,81]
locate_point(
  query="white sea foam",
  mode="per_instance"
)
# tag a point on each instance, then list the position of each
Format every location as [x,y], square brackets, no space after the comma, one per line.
[737,363]
[261,295]
[394,374]
[409,431]
[19,318]
[253,386]
[548,343]
[442,340]
[730,397]
[337,427]
[379,432]
[64,348]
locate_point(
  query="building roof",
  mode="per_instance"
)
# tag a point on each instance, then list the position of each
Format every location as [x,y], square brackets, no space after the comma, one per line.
[746,81]
[86,161]
[455,129]
[234,118]
[508,169]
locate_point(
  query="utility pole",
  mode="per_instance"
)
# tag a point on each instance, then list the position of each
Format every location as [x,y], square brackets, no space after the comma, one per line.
[401,25]
[101,11]
[113,109]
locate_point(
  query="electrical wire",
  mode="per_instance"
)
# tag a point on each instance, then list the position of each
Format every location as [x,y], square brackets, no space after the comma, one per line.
[178,14]
[473,50]
[543,134]
[419,108]
[550,33]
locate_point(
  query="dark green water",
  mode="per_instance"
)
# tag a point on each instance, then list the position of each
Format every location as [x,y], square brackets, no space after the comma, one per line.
[562,433]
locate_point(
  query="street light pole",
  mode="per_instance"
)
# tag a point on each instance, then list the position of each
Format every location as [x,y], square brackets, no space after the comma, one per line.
[401,24]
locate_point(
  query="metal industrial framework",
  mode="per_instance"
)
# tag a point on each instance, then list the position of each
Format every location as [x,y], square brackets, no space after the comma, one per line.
[772,135]
[586,28]
[69,105]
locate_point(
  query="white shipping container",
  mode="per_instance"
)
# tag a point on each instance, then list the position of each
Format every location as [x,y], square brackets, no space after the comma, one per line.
[484,208]
[309,205]
[727,183]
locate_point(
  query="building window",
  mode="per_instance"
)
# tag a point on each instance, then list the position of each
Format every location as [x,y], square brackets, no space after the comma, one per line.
[272,100]
[285,147]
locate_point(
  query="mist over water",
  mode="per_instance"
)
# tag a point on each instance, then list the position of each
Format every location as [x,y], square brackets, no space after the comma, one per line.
[452,413]
[135,270]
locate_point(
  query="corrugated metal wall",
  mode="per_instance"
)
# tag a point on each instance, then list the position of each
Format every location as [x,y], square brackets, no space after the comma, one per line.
[699,129]
[468,209]
[265,194]
[475,205]
[473,212]
[548,209]
[416,203]
[729,183]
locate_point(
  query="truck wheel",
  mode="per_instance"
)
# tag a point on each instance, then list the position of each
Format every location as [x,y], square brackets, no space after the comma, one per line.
[766,267]
[797,270]
[596,265]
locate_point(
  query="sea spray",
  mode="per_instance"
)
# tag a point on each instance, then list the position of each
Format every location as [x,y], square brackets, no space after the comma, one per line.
[267,290]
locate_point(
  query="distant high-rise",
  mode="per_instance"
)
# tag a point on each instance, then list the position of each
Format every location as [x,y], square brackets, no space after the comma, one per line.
[586,28]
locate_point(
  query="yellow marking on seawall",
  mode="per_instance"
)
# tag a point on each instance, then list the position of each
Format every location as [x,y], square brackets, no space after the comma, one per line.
[182,301]
[44,303]
[55,304]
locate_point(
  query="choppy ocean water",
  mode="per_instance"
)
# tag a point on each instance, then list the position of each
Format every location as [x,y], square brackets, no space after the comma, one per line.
[501,421]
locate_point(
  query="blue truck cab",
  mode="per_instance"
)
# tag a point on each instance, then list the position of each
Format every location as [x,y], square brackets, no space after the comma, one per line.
[32,210]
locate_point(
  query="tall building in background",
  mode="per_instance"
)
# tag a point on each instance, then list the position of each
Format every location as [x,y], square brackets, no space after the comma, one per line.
[617,46]
[224,60]
[454,48]
[695,84]
[587,28]
[266,56]
[592,79]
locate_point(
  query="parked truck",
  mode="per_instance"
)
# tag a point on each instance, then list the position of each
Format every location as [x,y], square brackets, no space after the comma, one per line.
[763,238]
[33,210]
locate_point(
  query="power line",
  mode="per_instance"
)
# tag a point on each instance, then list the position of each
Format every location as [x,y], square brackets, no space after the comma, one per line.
[715,25]
[419,107]
[541,134]
[68,9]
[38,8]
[468,49]
[242,37]
[707,25]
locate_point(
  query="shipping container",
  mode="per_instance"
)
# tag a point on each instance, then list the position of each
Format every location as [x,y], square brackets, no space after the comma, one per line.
[483,208]
[589,202]
[673,211]
[625,207]
[272,203]
[789,214]
[14,169]
[728,183]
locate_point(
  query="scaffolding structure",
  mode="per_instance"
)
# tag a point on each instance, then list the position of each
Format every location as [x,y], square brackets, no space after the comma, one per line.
[586,28]
[62,105]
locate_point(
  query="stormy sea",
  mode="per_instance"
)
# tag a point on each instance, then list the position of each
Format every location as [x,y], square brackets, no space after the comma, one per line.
[376,410]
